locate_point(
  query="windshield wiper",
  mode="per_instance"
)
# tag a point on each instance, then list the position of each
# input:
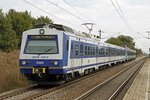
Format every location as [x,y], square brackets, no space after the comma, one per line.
[48,49]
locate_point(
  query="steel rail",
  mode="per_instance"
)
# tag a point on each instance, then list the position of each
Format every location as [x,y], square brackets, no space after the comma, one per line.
[18,91]
[44,92]
[115,94]
[85,95]
[67,84]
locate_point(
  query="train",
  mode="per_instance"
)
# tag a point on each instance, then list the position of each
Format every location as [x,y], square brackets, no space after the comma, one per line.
[54,54]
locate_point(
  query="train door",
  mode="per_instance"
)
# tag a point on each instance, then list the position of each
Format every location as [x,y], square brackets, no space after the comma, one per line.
[107,58]
[97,57]
[81,56]
[72,56]
[76,57]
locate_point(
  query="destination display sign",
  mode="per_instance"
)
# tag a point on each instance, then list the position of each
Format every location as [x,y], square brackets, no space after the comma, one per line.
[51,37]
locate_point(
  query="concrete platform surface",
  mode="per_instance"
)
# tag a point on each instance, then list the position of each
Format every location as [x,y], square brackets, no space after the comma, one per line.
[140,88]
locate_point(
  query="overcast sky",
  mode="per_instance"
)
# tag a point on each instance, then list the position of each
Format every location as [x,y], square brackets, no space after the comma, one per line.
[101,12]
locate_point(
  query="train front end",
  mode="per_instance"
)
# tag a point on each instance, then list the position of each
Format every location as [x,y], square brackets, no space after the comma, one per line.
[43,55]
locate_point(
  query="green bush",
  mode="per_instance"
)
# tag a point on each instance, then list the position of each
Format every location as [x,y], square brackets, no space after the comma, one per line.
[8,38]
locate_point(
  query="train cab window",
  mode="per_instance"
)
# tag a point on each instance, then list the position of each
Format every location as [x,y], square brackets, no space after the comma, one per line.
[76,50]
[42,45]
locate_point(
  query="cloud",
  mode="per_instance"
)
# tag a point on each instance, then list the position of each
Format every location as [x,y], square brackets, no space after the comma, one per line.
[139,2]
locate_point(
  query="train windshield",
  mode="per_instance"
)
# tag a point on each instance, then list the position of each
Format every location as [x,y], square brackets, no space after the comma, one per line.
[42,46]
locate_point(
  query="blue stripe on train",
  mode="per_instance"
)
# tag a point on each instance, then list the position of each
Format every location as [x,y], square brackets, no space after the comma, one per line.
[40,62]
[50,71]
[25,71]
[64,70]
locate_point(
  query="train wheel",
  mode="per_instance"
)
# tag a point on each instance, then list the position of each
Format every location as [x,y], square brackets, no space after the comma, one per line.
[69,77]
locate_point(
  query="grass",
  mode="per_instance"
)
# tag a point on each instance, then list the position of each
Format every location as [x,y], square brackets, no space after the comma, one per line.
[10,77]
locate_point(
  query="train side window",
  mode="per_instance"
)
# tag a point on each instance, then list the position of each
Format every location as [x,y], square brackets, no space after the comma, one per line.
[107,50]
[81,48]
[71,46]
[86,52]
[99,51]
[102,51]
[76,50]
[93,50]
[67,45]
[111,51]
[96,50]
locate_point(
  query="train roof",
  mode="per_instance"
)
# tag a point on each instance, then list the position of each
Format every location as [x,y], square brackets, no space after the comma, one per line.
[55,26]
[69,30]
[66,29]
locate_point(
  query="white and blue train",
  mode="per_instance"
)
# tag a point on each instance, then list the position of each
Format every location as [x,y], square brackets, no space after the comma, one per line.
[51,53]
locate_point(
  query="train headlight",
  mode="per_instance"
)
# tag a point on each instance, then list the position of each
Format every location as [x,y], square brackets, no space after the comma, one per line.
[24,62]
[41,31]
[55,62]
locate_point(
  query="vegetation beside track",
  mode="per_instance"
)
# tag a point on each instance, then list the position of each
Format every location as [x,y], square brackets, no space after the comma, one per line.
[10,77]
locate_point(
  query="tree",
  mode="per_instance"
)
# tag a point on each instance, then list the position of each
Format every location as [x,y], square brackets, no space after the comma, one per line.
[8,38]
[13,24]
[114,41]
[138,52]
[42,20]
[127,41]
[20,21]
[122,41]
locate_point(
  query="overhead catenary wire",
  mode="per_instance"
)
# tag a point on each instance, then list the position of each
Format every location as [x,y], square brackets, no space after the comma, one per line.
[143,35]
[127,20]
[66,11]
[50,13]
[130,28]
[69,4]
[122,16]
[121,11]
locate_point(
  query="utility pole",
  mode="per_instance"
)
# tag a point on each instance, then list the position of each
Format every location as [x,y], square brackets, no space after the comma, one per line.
[148,34]
[100,33]
[149,52]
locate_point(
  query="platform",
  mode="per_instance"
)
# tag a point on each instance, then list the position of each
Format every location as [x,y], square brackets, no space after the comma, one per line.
[140,88]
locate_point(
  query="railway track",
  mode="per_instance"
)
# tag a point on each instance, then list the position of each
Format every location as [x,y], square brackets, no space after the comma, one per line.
[40,92]
[14,94]
[22,92]
[36,96]
[59,87]
[17,92]
[99,91]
